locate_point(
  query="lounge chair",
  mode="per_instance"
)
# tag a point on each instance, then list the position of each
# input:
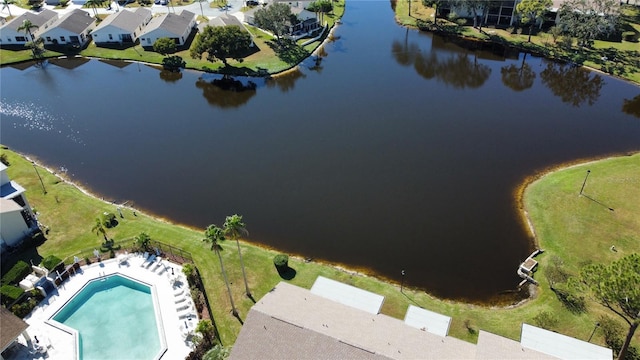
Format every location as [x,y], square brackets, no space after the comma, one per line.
[187,305]
[158,262]
[178,292]
[145,256]
[149,261]
[180,298]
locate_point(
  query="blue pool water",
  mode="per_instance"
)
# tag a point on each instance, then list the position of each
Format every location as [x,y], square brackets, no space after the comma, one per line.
[115,319]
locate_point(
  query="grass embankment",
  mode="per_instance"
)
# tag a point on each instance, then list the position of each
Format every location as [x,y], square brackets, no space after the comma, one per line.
[267,57]
[623,57]
[586,235]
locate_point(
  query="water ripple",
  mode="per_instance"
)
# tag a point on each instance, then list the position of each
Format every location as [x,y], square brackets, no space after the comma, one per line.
[31,116]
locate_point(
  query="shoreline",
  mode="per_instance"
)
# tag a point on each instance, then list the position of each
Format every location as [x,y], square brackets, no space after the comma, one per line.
[518,196]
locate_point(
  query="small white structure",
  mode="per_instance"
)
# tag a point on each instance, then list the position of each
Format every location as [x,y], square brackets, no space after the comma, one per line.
[561,346]
[9,34]
[73,29]
[172,26]
[427,320]
[122,27]
[17,220]
[347,295]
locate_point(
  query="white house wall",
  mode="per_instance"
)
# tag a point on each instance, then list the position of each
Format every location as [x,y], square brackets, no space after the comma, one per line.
[151,37]
[102,35]
[13,228]
[57,33]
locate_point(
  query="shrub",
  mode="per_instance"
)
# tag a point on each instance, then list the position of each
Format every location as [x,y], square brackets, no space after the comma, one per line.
[50,262]
[108,220]
[18,272]
[545,320]
[10,293]
[4,160]
[164,46]
[629,36]
[281,261]
[173,63]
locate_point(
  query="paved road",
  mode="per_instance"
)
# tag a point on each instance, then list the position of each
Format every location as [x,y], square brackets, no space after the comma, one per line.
[234,6]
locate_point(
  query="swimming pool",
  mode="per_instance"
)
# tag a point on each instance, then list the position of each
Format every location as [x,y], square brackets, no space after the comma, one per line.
[115,318]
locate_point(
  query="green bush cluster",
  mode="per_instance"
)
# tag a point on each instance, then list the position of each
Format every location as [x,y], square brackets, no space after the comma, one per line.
[10,293]
[22,309]
[281,261]
[108,220]
[50,262]
[18,272]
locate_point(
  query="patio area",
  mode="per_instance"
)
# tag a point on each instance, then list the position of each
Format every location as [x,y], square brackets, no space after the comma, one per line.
[175,313]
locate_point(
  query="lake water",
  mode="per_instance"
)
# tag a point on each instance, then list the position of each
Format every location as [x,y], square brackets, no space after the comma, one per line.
[399,151]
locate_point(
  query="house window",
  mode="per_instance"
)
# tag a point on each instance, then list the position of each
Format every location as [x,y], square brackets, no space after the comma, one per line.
[110,37]
[20,38]
[48,38]
[62,39]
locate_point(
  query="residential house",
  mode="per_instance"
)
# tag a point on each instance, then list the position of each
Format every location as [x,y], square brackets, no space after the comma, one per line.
[17,220]
[172,26]
[343,322]
[222,20]
[10,35]
[71,29]
[12,328]
[122,27]
[307,20]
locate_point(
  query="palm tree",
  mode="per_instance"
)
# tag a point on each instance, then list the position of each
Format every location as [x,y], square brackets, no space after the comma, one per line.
[94,4]
[26,26]
[214,235]
[99,228]
[233,226]
[6,3]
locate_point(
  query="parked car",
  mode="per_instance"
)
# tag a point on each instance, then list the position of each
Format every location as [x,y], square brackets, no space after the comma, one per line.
[163,2]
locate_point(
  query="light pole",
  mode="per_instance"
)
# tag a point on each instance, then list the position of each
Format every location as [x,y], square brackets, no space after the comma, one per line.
[584,182]
[594,331]
[37,173]
[402,281]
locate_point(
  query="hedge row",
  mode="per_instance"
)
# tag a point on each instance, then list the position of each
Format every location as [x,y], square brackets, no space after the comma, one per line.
[10,293]
[18,272]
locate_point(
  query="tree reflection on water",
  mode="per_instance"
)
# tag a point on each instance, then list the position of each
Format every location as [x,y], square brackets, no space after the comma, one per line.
[573,85]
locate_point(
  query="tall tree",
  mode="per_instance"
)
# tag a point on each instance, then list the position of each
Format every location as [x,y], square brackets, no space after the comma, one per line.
[213,234]
[94,4]
[479,9]
[616,287]
[234,227]
[100,229]
[221,43]
[531,11]
[435,4]
[588,19]
[6,3]
[27,26]
[274,18]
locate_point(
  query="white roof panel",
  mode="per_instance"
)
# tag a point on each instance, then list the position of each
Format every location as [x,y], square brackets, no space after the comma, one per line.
[347,295]
[561,346]
[427,320]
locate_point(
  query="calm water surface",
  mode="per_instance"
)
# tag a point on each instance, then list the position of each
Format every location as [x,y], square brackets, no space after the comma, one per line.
[399,151]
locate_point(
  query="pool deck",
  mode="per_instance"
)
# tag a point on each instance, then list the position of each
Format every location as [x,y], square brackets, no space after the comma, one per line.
[59,343]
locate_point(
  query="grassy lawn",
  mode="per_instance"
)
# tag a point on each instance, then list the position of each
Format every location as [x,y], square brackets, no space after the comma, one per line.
[572,228]
[623,57]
